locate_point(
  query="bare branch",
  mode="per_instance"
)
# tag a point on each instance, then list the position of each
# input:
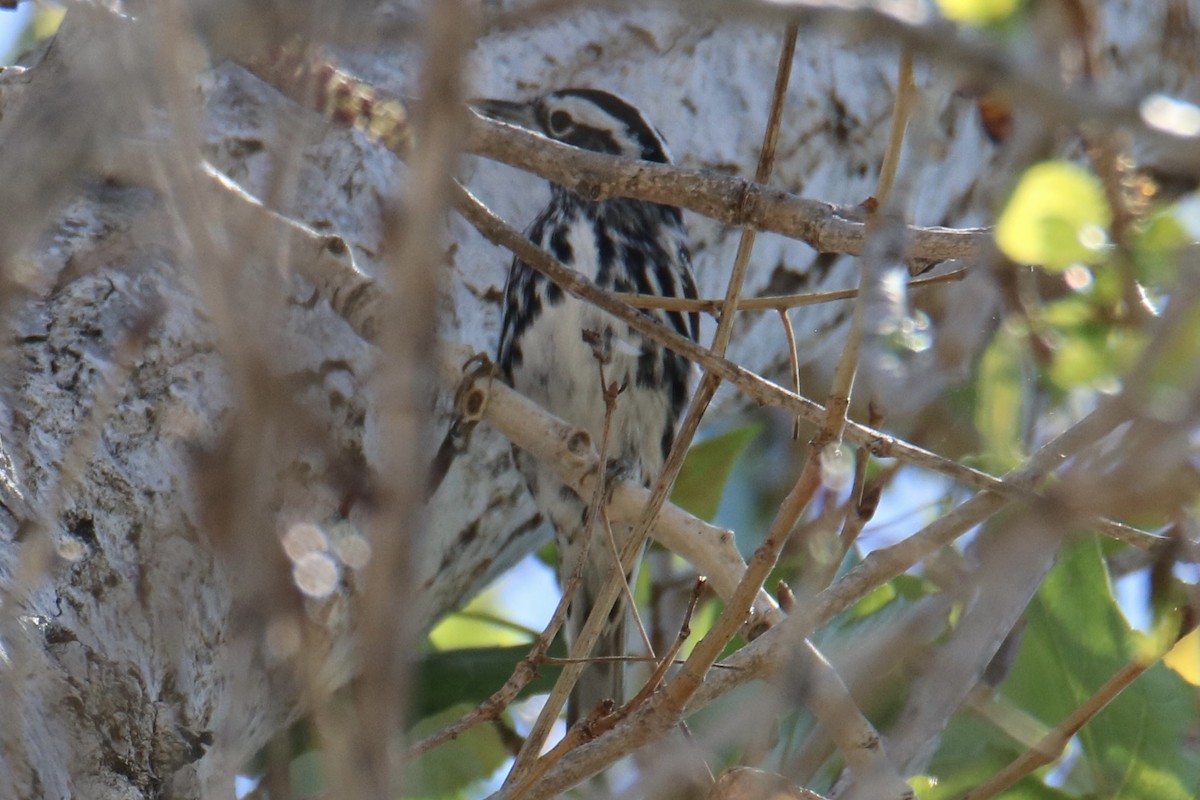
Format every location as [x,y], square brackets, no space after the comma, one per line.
[967,53]
[357,104]
[502,698]
[314,82]
[734,201]
[325,261]
[780,302]
[758,389]
[569,451]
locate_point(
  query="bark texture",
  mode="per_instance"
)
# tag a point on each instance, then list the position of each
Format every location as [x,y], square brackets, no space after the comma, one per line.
[178,408]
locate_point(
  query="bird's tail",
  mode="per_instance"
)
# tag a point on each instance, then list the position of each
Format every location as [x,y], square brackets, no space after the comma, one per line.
[604,677]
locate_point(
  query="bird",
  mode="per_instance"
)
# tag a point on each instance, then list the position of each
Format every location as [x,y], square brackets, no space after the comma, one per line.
[552,345]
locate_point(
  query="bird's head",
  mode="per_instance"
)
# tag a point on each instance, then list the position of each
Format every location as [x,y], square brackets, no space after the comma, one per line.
[588,118]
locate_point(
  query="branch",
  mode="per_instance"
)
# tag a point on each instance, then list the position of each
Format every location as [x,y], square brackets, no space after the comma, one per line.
[412,250]
[568,450]
[523,674]
[828,228]
[757,388]
[777,302]
[320,86]
[965,52]
[326,261]
[315,82]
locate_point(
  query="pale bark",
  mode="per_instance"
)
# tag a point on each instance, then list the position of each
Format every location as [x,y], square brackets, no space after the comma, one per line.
[176,400]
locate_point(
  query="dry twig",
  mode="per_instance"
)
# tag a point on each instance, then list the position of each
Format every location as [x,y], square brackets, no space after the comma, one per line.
[525,671]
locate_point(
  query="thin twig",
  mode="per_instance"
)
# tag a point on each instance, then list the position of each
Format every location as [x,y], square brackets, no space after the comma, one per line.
[722,632]
[906,91]
[313,80]
[687,429]
[626,589]
[668,659]
[1052,745]
[357,298]
[766,163]
[523,674]
[581,648]
[779,302]
[871,264]
[611,393]
[710,646]
[793,363]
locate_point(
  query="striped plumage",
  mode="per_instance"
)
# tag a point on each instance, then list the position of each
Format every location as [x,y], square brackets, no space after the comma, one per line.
[625,246]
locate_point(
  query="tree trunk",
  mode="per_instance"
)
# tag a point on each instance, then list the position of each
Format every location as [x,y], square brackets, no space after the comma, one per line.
[178,404]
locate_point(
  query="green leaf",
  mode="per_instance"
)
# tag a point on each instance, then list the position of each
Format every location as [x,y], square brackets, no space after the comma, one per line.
[1095,358]
[978,12]
[1001,403]
[1076,640]
[902,590]
[1089,351]
[1071,312]
[1156,246]
[471,675]
[701,623]
[971,751]
[1057,216]
[448,770]
[706,471]
[879,597]
[46,20]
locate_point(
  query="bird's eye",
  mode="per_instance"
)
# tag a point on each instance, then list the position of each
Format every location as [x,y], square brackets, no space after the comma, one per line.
[560,122]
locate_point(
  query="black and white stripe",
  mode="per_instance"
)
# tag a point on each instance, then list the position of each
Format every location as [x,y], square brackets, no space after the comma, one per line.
[625,246]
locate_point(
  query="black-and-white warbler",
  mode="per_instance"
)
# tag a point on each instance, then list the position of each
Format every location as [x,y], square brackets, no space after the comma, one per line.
[552,345]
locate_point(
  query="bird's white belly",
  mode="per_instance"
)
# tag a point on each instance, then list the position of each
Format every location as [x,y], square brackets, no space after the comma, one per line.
[560,371]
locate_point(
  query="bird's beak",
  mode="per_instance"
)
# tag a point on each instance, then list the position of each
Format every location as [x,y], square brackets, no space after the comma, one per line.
[514,113]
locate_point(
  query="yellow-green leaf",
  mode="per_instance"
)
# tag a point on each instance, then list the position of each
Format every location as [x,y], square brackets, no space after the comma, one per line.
[875,600]
[479,624]
[1157,244]
[1184,658]
[1057,216]
[46,20]
[978,12]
